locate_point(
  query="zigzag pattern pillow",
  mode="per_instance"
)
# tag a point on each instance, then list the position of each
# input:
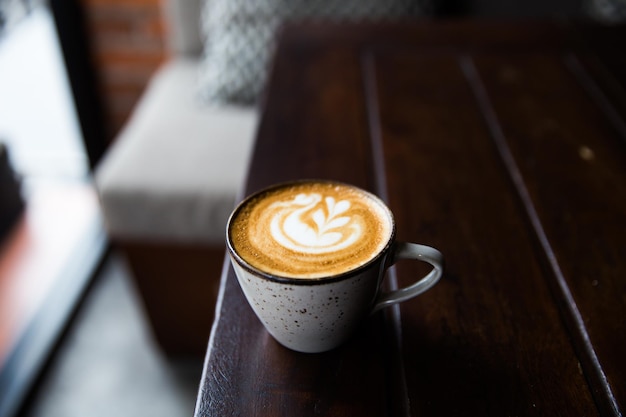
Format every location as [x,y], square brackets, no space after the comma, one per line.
[239,37]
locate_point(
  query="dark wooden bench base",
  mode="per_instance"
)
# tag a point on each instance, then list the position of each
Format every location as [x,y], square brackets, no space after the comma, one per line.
[178,285]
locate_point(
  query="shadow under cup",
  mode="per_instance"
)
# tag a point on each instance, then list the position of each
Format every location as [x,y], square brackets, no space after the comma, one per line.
[318,314]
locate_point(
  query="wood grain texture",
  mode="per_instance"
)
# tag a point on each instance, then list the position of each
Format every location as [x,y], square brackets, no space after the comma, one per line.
[573,164]
[491,323]
[503,146]
[178,286]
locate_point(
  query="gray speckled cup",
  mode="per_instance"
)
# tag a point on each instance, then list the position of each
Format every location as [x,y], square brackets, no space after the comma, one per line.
[316,315]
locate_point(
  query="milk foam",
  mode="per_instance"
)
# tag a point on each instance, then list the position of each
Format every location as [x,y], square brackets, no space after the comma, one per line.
[310,230]
[312,224]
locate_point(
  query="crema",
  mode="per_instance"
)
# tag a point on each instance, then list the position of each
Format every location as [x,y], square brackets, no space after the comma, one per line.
[310,229]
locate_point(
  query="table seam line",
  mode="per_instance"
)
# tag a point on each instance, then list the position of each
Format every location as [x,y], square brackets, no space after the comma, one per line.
[368,72]
[468,68]
[595,92]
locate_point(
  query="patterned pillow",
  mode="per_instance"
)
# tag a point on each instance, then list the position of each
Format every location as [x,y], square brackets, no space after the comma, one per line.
[239,37]
[610,11]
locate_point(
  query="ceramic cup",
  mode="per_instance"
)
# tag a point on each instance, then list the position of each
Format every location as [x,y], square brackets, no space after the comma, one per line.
[318,314]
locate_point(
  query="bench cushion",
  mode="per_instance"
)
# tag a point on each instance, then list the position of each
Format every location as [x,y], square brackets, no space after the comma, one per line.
[174,171]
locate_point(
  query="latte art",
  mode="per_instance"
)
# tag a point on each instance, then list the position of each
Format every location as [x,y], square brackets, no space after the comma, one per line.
[310,229]
[312,224]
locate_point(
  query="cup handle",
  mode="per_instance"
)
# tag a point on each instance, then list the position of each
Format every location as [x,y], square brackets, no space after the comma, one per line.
[422,253]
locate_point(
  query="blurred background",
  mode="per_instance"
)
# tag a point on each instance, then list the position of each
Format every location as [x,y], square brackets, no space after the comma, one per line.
[75,339]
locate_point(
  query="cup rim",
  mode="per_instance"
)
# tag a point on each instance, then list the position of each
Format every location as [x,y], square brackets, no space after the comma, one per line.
[307,281]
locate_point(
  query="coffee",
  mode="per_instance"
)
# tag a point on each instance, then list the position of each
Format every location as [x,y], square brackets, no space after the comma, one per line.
[310,229]
[310,257]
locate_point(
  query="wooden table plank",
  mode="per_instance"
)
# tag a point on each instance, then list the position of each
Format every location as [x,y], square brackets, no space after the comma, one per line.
[604,62]
[572,160]
[315,126]
[314,120]
[488,335]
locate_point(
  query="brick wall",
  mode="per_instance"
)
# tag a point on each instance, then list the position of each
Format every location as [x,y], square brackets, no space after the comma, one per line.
[127,39]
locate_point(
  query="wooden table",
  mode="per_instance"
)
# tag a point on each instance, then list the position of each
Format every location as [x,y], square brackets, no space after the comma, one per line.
[502,145]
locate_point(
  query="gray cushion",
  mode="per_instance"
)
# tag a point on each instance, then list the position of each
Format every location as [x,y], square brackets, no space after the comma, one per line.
[174,171]
[612,11]
[239,37]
